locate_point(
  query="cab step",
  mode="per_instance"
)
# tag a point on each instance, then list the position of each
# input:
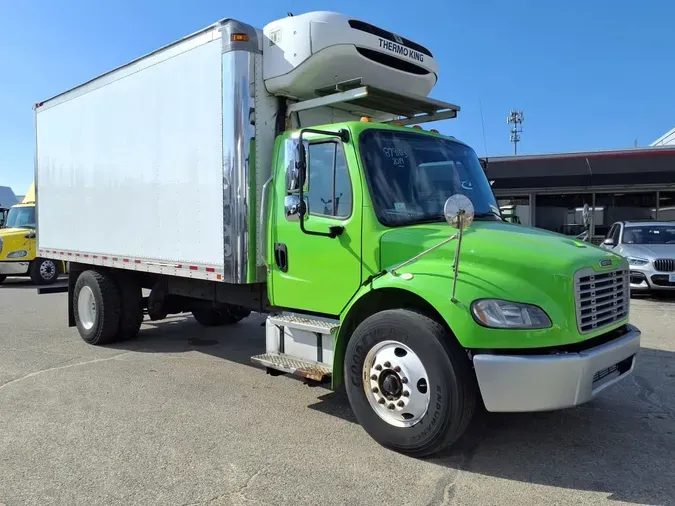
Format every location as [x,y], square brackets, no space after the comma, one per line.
[293,365]
[307,324]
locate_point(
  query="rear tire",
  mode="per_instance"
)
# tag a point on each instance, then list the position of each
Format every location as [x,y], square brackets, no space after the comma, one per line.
[44,271]
[215,317]
[2,278]
[97,307]
[434,391]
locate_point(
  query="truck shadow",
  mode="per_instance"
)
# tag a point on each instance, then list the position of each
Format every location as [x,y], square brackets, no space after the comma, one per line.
[620,445]
[17,283]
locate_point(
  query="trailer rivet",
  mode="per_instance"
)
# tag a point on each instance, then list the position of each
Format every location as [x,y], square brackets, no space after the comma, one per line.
[387,365]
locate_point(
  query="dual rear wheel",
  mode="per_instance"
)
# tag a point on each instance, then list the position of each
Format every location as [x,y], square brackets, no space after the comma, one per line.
[109,307]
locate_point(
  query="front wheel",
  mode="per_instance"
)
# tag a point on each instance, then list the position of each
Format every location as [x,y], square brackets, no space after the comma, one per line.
[44,271]
[409,382]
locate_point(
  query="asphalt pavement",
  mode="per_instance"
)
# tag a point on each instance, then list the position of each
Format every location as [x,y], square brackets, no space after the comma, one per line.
[180,417]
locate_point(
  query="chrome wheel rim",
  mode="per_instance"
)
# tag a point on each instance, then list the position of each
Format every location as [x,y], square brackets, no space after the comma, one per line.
[396,383]
[47,269]
[86,307]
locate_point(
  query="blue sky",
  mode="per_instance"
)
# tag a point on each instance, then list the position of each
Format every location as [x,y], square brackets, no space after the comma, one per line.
[589,74]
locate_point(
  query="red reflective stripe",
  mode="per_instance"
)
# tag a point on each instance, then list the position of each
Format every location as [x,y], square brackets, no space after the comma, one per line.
[105,258]
[86,256]
[194,268]
[137,261]
[125,260]
[210,269]
[70,254]
[94,256]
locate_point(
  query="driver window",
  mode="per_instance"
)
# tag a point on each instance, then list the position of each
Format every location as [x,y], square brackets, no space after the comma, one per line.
[330,192]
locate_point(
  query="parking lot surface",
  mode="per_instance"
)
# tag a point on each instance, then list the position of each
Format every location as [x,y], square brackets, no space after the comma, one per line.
[180,417]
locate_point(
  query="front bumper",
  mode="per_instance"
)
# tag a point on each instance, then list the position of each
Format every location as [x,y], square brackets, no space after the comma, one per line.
[645,279]
[14,268]
[520,383]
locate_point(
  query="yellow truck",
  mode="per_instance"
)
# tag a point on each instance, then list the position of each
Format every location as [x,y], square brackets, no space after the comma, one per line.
[18,245]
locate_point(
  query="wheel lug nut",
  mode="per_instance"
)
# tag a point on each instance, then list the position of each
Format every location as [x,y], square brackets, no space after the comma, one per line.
[404,380]
[378,367]
[397,369]
[375,390]
[391,406]
[400,404]
[380,401]
[387,364]
[373,377]
[406,394]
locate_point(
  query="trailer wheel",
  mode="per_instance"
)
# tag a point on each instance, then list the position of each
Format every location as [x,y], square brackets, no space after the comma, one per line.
[2,278]
[409,383]
[131,306]
[44,271]
[214,317]
[96,306]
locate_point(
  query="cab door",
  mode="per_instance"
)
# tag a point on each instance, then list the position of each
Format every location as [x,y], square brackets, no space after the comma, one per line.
[315,273]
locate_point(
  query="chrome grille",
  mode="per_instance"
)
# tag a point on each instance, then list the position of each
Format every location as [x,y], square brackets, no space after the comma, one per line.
[665,265]
[601,298]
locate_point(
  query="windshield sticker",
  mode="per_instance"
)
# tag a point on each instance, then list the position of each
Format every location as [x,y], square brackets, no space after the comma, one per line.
[467,185]
[399,206]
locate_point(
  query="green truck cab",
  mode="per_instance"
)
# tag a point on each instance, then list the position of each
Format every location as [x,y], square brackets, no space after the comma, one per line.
[375,248]
[530,320]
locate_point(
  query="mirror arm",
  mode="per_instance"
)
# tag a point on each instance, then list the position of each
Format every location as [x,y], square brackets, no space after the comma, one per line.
[335,230]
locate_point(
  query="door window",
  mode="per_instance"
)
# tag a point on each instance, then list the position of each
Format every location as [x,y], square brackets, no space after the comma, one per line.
[615,234]
[330,191]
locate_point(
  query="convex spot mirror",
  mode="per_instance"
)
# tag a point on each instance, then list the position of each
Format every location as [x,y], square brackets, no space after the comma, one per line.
[293,209]
[458,211]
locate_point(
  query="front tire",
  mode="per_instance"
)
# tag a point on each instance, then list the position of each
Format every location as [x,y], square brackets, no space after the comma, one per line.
[97,307]
[215,317]
[44,271]
[409,382]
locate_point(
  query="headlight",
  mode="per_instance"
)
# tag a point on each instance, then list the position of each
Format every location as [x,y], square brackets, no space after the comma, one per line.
[503,314]
[17,254]
[637,261]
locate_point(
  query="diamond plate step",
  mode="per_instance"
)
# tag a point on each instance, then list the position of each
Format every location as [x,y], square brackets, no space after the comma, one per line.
[304,323]
[296,366]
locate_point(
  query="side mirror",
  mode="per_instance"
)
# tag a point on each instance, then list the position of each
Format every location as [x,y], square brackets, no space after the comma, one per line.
[458,211]
[608,242]
[294,210]
[30,235]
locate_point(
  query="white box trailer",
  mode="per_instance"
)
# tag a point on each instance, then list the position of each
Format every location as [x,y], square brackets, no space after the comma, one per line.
[159,165]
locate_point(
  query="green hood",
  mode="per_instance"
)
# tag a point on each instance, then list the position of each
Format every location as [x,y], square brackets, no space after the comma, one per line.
[512,247]
[504,261]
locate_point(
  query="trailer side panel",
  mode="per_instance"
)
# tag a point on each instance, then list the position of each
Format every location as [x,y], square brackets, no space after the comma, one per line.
[132,166]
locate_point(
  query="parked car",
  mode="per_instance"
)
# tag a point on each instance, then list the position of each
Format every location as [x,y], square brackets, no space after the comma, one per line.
[649,247]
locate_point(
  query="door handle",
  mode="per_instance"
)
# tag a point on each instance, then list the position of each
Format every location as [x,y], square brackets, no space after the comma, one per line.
[281,256]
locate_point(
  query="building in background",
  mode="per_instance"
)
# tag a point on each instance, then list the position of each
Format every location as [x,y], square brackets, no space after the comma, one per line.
[667,139]
[549,191]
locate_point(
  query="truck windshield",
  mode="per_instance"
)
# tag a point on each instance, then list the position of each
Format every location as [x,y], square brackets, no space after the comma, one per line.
[21,217]
[410,176]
